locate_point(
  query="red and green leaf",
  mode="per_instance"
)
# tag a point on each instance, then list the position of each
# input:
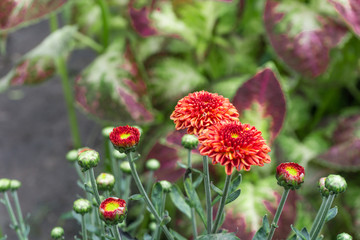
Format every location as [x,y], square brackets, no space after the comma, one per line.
[261,102]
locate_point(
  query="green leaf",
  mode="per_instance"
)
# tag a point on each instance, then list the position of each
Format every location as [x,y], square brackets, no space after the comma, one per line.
[303,234]
[264,230]
[233,196]
[179,201]
[216,199]
[157,197]
[331,213]
[216,189]
[219,236]
[136,197]
[194,199]
[235,183]
[177,235]
[198,180]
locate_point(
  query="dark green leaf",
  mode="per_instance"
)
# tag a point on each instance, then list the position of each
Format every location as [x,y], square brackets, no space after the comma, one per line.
[157,197]
[136,197]
[235,183]
[303,234]
[219,236]
[216,189]
[194,199]
[177,235]
[198,180]
[233,196]
[264,230]
[179,201]
[331,214]
[216,199]
[266,224]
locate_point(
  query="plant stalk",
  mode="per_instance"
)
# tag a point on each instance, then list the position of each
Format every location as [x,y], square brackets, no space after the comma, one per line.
[209,211]
[13,220]
[318,216]
[222,204]
[278,213]
[94,186]
[193,216]
[83,227]
[19,213]
[146,198]
[116,232]
[105,17]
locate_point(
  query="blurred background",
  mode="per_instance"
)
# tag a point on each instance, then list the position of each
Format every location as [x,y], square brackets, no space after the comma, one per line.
[70,68]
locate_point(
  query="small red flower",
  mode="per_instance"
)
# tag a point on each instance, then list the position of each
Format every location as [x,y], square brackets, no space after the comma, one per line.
[113,210]
[125,138]
[199,110]
[290,175]
[233,144]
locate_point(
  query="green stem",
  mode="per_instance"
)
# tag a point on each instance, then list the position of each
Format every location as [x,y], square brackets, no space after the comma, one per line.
[94,186]
[158,230]
[19,213]
[54,25]
[193,216]
[115,168]
[105,16]
[12,217]
[318,216]
[83,227]
[321,223]
[88,42]
[128,188]
[100,225]
[222,204]
[209,211]
[146,198]
[79,172]
[278,212]
[116,232]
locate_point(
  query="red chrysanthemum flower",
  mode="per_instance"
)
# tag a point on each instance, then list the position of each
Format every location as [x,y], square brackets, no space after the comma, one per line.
[125,138]
[290,175]
[199,110]
[233,144]
[113,210]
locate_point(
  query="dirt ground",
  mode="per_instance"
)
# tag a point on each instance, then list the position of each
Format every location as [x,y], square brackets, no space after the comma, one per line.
[35,138]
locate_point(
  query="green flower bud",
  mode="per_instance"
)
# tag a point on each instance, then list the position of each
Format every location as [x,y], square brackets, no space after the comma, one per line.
[15,185]
[57,233]
[344,236]
[105,181]
[166,218]
[82,206]
[4,184]
[152,164]
[72,156]
[335,183]
[125,167]
[166,185]
[119,155]
[323,190]
[106,131]
[152,217]
[88,159]
[152,226]
[189,141]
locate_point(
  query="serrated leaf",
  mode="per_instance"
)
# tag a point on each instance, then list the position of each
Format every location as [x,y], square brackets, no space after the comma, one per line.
[38,65]
[179,201]
[233,196]
[331,214]
[219,236]
[110,85]
[194,199]
[300,36]
[260,101]
[349,10]
[15,14]
[157,197]
[136,197]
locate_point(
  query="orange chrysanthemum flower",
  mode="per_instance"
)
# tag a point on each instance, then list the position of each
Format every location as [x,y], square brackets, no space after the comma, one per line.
[125,138]
[233,144]
[199,110]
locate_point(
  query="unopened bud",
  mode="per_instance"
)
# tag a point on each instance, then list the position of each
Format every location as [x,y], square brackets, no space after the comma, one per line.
[335,183]
[72,156]
[4,184]
[166,185]
[88,159]
[105,181]
[15,185]
[344,236]
[125,167]
[82,206]
[57,233]
[323,190]
[152,164]
[189,141]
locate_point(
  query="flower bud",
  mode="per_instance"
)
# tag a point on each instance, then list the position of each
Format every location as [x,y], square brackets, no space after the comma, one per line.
[166,186]
[15,185]
[88,159]
[125,138]
[152,164]
[57,233]
[344,236]
[335,183]
[189,141]
[323,190]
[106,131]
[83,149]
[105,181]
[82,206]
[4,184]
[113,210]
[153,226]
[290,175]
[125,167]
[119,155]
[72,156]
